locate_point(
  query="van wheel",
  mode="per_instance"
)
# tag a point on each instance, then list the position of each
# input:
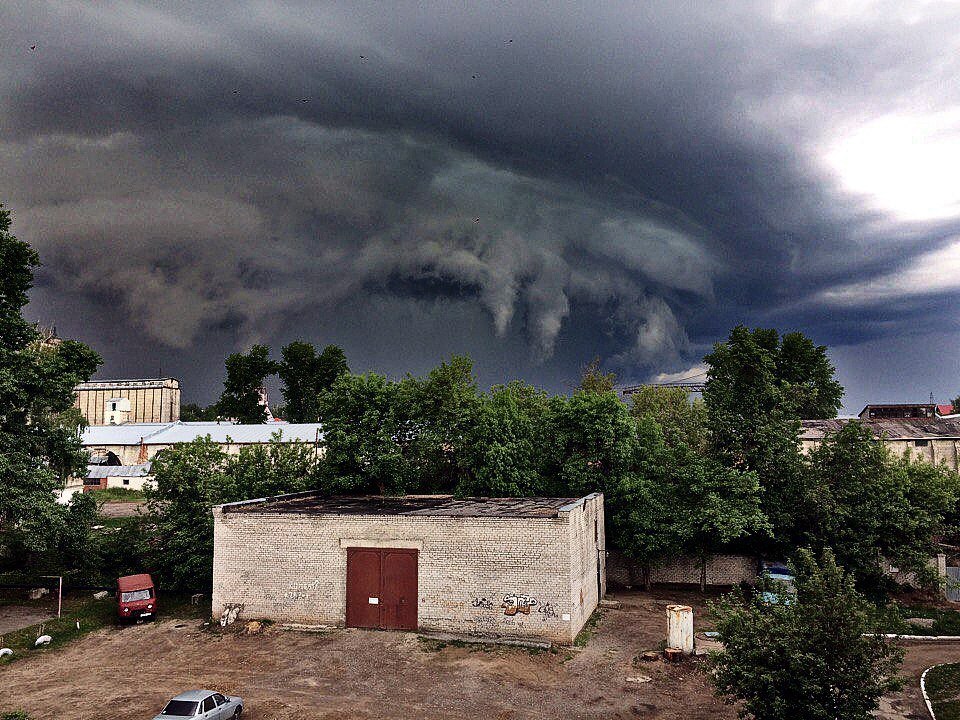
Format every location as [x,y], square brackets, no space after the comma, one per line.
[236,713]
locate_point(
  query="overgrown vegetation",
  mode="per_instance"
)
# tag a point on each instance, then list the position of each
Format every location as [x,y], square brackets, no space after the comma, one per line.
[814,656]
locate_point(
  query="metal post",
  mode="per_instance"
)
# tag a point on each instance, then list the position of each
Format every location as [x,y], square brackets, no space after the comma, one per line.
[60,597]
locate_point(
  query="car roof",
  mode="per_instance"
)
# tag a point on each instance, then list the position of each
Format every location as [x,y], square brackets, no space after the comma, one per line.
[193,695]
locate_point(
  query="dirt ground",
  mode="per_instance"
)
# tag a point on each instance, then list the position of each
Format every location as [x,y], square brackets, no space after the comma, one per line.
[131,672]
[122,509]
[14,617]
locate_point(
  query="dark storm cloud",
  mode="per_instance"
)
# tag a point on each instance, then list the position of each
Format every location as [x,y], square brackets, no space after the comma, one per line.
[625,179]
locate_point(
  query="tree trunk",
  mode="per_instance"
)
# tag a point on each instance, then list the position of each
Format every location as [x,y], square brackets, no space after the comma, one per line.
[703,574]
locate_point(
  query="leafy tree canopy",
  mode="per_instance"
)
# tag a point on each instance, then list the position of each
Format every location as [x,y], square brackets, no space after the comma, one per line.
[39,446]
[594,380]
[813,658]
[305,374]
[868,502]
[683,420]
[246,373]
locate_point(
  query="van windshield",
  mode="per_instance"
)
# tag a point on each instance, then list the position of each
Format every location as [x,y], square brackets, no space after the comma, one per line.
[135,595]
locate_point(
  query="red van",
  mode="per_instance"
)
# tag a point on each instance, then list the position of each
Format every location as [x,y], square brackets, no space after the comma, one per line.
[136,597]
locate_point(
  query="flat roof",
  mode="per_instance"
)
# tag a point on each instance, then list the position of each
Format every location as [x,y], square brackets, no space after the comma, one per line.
[179,431]
[313,503]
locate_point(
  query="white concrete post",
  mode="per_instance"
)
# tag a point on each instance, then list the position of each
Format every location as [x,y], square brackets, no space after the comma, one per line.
[680,628]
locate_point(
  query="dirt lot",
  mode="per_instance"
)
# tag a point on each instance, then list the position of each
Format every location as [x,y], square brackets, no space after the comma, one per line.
[361,674]
[14,617]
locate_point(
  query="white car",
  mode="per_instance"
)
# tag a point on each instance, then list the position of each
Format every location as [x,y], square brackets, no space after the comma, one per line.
[205,704]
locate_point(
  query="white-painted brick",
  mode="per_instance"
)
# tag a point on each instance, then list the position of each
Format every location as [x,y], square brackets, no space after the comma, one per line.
[291,567]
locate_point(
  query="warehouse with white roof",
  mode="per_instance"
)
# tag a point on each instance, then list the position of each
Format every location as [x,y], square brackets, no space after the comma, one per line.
[138,443]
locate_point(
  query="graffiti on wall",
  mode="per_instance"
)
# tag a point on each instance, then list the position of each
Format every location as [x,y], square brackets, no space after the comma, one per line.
[547,611]
[517,603]
[482,602]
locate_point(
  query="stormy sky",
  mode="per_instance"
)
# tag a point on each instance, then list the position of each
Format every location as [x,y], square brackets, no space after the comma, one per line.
[532,184]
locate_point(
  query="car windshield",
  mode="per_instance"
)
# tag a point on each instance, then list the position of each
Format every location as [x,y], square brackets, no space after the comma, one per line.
[135,595]
[182,708]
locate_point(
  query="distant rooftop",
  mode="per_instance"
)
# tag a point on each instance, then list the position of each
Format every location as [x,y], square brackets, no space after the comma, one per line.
[891,428]
[111,471]
[139,383]
[179,431]
[312,503]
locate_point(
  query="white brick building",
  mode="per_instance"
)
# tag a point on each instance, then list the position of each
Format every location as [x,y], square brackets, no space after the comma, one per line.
[504,568]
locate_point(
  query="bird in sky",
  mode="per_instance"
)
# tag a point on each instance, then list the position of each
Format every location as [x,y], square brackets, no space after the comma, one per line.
[33,47]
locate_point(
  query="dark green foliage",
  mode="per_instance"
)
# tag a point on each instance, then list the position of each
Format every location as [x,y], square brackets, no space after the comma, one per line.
[682,419]
[365,436]
[440,410]
[869,504]
[758,388]
[192,477]
[815,658]
[305,375]
[192,412]
[273,469]
[246,373]
[39,446]
[188,480]
[505,448]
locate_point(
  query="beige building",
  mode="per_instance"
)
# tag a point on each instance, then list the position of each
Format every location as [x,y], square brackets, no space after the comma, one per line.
[112,402]
[137,443]
[933,439]
[499,568]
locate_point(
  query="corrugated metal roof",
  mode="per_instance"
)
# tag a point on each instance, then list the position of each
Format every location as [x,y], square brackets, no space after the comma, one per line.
[891,429]
[110,471]
[176,432]
[312,503]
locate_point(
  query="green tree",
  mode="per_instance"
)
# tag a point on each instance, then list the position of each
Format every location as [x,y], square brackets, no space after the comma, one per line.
[439,409]
[193,412]
[39,446]
[305,375]
[807,378]
[273,469]
[594,380]
[711,505]
[870,504]
[684,421]
[189,479]
[753,396]
[817,657]
[366,437]
[246,373]
[504,453]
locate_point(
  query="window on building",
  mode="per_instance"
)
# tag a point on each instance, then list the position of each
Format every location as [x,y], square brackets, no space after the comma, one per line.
[921,443]
[126,481]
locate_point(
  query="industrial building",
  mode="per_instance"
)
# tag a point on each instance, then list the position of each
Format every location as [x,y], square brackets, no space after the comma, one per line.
[497,568]
[137,443]
[932,439]
[113,402]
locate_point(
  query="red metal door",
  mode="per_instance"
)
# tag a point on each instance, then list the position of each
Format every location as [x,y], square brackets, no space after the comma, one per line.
[363,587]
[398,603]
[382,588]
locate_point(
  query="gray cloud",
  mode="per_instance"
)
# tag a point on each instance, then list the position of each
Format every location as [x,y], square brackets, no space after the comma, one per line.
[630,180]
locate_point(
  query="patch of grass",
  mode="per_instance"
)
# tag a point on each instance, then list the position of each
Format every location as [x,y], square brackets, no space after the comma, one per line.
[117,494]
[91,614]
[15,715]
[586,632]
[943,687]
[892,619]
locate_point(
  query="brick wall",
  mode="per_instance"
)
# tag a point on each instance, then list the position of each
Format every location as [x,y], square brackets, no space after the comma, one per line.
[292,568]
[722,570]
